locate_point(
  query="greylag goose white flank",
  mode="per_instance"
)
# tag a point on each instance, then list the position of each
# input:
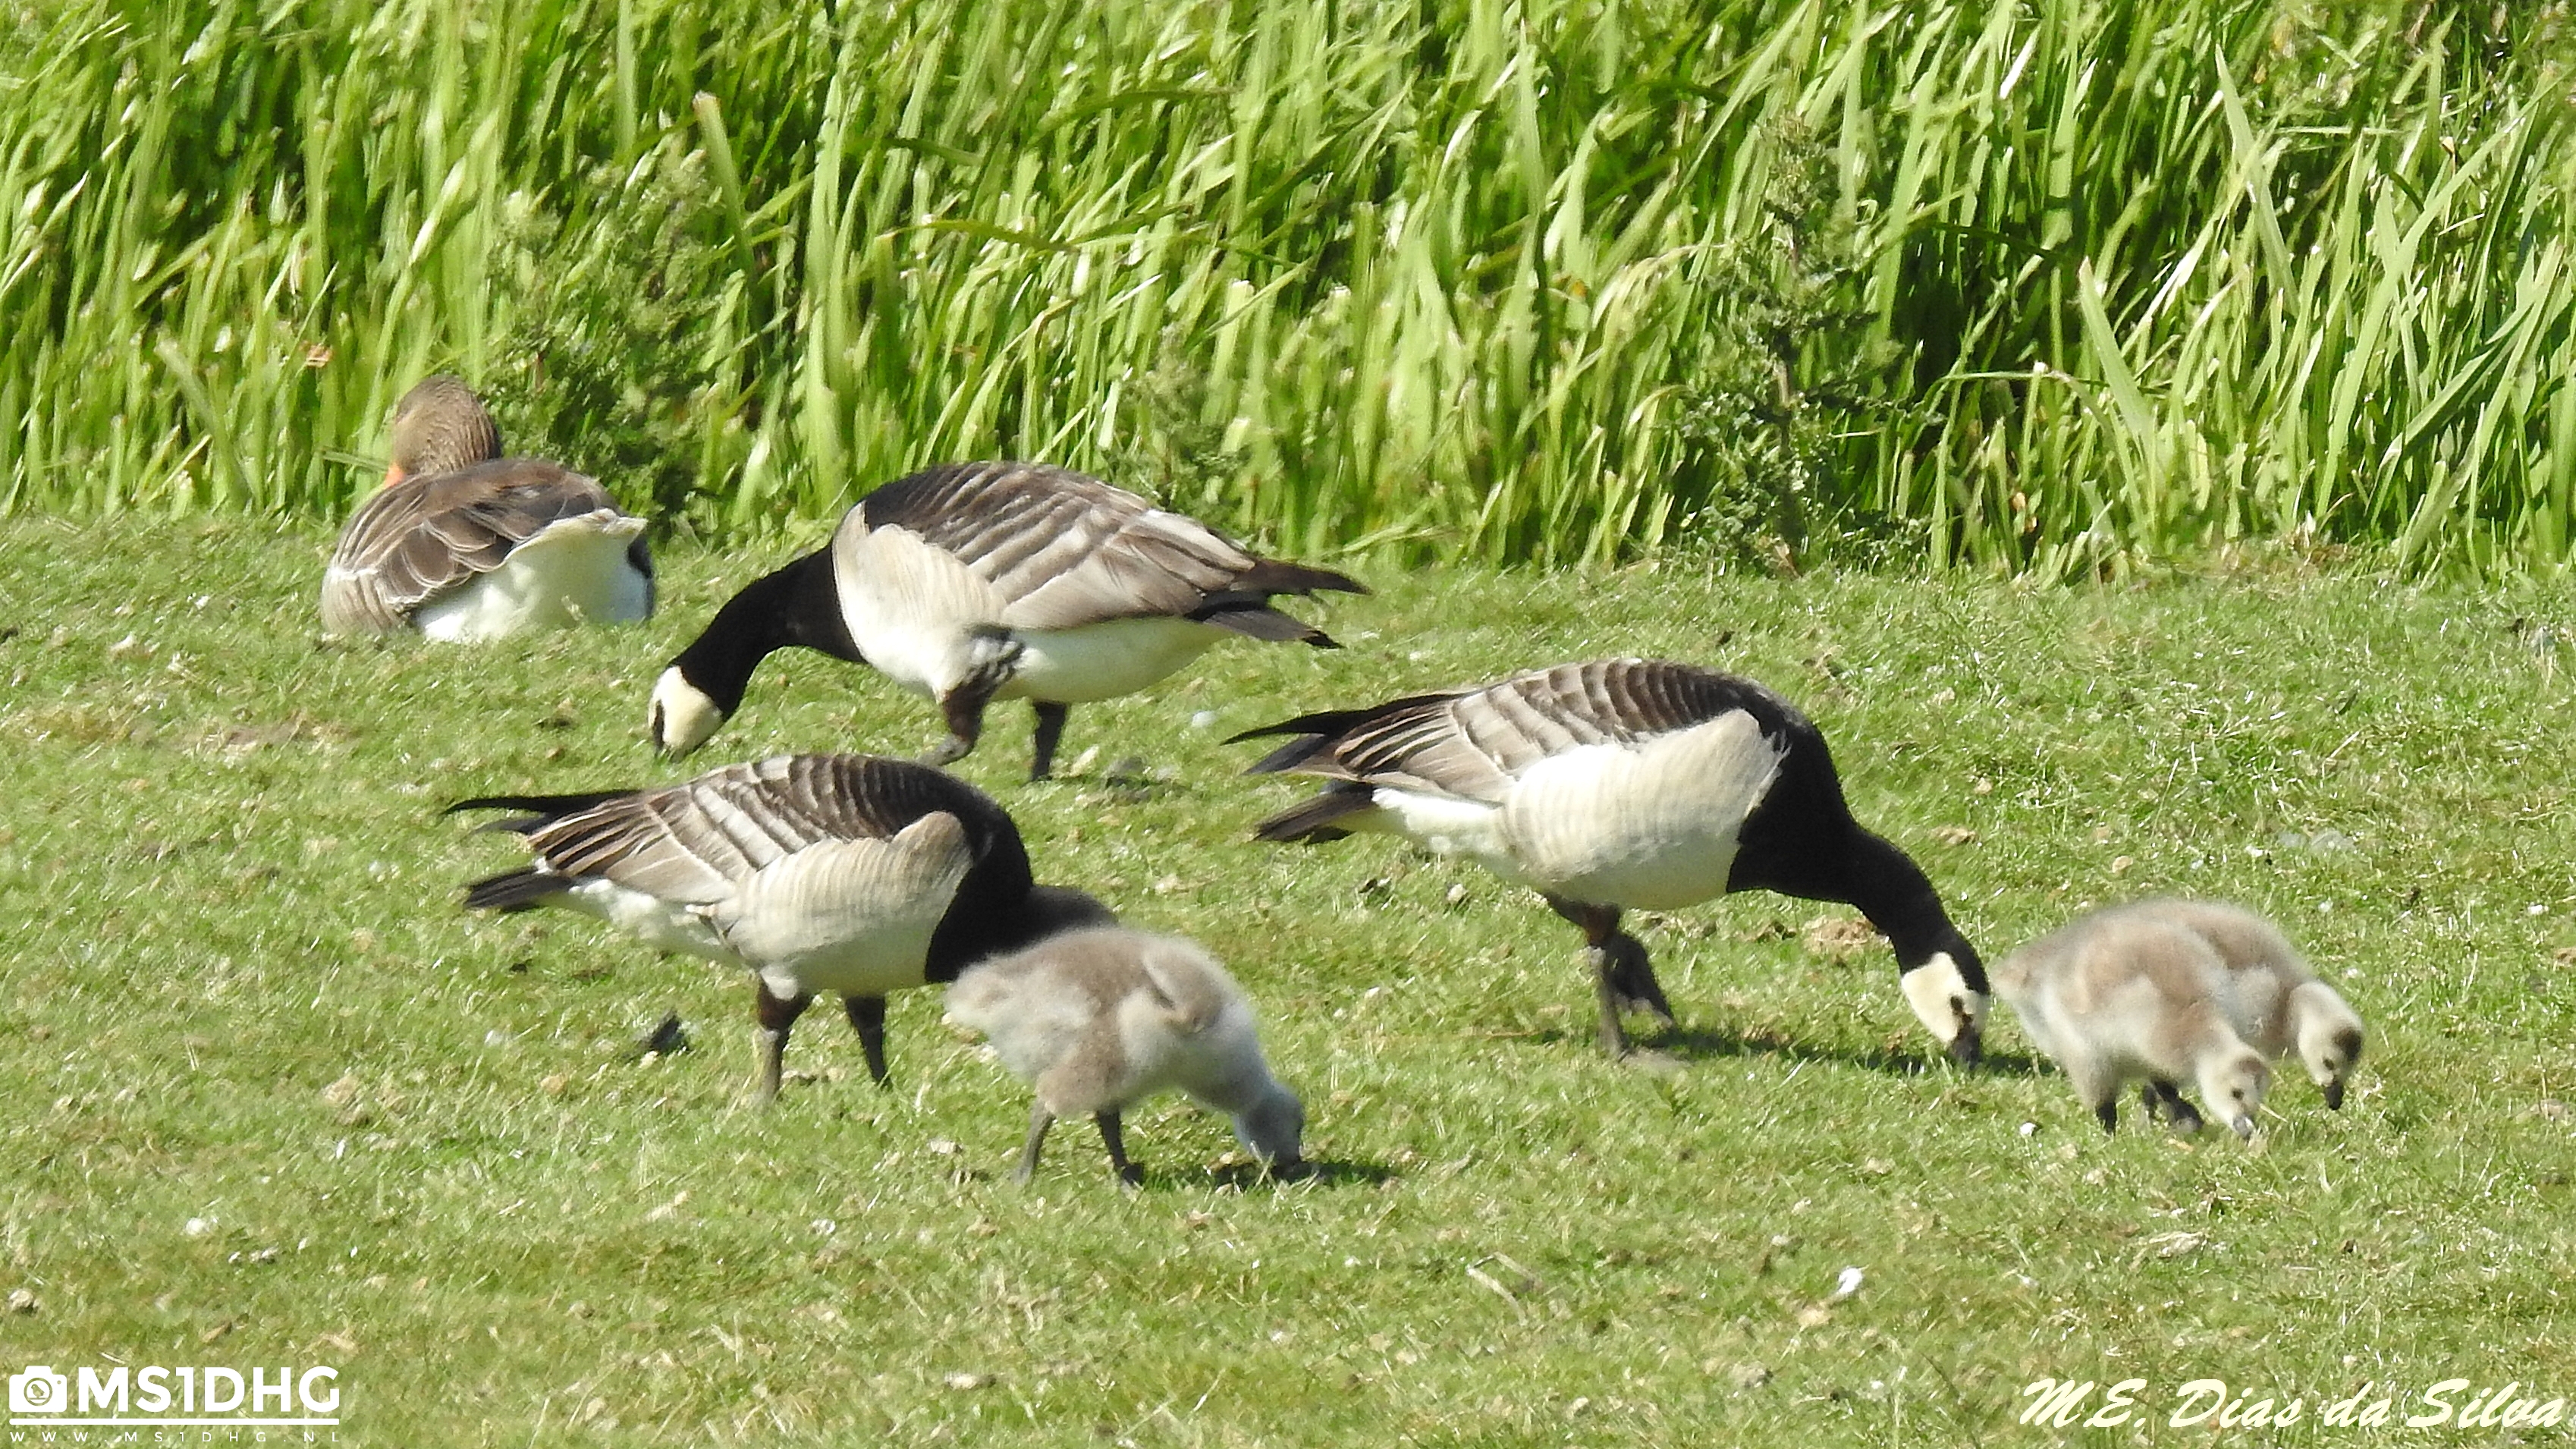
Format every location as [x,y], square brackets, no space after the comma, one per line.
[2137,996]
[1628,783]
[974,582]
[463,544]
[841,873]
[1098,1019]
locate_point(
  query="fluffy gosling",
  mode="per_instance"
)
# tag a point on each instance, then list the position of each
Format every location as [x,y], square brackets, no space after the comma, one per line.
[2120,997]
[2280,1006]
[1097,1019]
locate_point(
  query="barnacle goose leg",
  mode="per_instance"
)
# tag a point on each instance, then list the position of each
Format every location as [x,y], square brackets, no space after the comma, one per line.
[777,1016]
[963,706]
[2165,1100]
[1634,978]
[1051,718]
[1622,978]
[1040,1119]
[1128,1173]
[867,1018]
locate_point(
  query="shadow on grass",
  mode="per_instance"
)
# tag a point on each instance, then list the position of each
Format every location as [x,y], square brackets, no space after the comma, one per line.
[1685,1044]
[1249,1177]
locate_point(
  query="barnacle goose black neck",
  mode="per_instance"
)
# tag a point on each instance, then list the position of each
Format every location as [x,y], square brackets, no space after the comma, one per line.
[841,873]
[974,582]
[1629,783]
[463,544]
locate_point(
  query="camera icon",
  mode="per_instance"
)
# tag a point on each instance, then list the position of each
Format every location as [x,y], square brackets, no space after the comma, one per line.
[39,1390]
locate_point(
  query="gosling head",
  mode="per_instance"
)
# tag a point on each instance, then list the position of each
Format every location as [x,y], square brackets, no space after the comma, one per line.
[2232,1083]
[683,715]
[1273,1129]
[2329,1038]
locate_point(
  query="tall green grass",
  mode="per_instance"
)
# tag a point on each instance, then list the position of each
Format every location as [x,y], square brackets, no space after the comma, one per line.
[2053,285]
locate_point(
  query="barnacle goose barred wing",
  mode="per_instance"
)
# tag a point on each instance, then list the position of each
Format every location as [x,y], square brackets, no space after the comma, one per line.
[1062,550]
[1473,743]
[695,843]
[424,536]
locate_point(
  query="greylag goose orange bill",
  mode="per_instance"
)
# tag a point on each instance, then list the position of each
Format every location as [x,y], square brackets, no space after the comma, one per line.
[842,873]
[1097,1020]
[462,544]
[976,582]
[1628,784]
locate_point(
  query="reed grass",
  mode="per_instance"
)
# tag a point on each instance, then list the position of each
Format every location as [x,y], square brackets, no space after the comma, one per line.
[2055,286]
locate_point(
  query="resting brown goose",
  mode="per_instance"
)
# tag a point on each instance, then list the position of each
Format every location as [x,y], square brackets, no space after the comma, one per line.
[464,544]
[1628,783]
[841,873]
[974,582]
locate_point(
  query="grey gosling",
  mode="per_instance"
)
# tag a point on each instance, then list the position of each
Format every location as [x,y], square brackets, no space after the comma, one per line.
[1097,1019]
[2119,997]
[2276,1003]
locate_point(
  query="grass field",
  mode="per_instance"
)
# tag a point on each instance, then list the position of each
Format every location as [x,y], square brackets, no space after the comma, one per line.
[276,1100]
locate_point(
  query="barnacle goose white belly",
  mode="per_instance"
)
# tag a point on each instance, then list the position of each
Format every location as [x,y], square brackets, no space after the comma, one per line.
[1628,783]
[841,873]
[974,582]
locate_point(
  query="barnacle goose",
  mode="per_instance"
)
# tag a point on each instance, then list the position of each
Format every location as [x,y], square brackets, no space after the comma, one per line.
[974,582]
[841,873]
[1628,783]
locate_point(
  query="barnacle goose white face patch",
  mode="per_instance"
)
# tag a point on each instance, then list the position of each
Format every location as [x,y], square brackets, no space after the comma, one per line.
[1651,826]
[683,717]
[574,571]
[1942,1000]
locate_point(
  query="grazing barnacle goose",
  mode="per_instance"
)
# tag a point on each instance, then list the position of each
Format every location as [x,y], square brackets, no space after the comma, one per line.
[982,581]
[464,544]
[1099,1019]
[2125,996]
[841,873]
[1628,783]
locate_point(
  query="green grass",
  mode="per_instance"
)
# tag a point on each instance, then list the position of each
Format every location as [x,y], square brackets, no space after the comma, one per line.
[241,991]
[2056,286]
